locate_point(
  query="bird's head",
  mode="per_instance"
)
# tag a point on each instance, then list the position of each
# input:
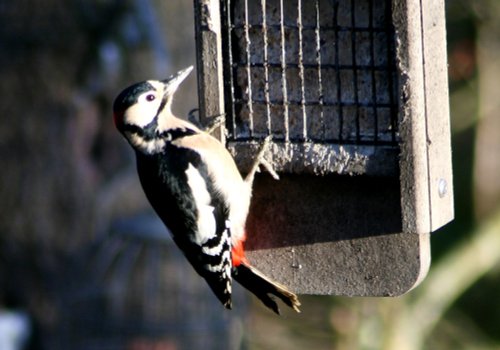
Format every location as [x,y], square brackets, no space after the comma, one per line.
[142,106]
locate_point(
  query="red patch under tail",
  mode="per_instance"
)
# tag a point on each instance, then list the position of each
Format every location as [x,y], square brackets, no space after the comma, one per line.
[238,253]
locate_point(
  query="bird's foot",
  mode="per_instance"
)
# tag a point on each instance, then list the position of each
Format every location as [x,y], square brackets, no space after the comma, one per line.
[260,160]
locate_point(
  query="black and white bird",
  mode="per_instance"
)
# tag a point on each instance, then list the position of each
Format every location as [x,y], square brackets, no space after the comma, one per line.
[194,186]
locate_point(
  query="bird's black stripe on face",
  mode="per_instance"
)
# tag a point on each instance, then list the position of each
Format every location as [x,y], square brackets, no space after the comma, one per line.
[149,132]
[174,134]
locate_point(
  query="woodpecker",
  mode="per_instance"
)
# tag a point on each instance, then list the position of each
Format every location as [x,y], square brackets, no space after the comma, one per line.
[193,184]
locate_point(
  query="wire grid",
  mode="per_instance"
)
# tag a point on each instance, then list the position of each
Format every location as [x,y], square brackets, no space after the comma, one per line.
[304,70]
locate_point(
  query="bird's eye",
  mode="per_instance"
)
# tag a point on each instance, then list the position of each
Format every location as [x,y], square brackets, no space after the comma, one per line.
[150,97]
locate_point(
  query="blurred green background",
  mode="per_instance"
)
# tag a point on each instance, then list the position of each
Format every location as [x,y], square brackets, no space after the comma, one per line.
[72,264]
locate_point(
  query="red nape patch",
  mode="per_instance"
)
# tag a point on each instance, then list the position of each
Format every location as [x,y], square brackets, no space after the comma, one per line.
[115,119]
[238,253]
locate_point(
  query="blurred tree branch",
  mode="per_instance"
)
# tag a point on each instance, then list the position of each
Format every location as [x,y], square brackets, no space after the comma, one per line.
[487,150]
[477,255]
[448,280]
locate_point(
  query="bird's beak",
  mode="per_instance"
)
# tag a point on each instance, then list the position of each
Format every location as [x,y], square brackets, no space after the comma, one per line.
[173,82]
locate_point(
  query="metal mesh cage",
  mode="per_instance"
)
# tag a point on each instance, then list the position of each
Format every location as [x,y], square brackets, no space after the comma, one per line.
[321,71]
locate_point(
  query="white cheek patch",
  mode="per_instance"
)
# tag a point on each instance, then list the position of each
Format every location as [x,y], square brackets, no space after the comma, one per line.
[142,113]
[206,219]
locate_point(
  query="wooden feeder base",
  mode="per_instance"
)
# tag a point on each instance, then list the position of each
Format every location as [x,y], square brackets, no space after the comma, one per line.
[317,236]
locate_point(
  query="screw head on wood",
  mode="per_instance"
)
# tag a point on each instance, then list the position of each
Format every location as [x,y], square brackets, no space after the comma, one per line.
[442,187]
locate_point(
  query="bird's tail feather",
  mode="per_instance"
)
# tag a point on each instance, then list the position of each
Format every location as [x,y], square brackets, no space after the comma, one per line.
[263,288]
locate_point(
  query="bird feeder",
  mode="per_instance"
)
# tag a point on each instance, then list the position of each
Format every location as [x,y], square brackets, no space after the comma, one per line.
[354,94]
